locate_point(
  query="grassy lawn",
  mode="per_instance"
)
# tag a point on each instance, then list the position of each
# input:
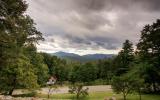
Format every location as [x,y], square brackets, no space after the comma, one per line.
[101,96]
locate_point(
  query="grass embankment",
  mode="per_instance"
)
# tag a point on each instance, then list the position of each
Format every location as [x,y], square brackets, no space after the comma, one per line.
[101,96]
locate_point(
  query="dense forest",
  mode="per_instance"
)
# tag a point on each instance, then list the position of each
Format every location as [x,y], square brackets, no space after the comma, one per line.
[21,66]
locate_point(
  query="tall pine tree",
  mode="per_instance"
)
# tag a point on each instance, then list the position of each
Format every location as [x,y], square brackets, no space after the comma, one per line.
[124,58]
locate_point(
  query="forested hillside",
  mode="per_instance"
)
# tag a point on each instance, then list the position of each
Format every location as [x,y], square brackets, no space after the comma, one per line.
[83,58]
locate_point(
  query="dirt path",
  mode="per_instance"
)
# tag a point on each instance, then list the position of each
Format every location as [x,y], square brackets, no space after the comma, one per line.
[98,88]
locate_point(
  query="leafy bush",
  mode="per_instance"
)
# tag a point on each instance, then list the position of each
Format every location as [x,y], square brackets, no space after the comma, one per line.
[78,90]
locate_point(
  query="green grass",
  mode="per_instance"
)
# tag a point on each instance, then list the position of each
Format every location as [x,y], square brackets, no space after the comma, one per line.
[101,96]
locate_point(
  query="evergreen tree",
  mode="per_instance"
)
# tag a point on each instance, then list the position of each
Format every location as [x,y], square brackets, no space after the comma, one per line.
[148,49]
[124,58]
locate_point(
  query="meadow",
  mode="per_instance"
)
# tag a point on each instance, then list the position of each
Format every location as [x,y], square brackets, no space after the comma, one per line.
[100,96]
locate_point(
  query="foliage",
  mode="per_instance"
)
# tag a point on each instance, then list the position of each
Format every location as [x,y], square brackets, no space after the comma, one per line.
[78,89]
[137,79]
[51,88]
[125,58]
[122,85]
[57,67]
[144,72]
[148,50]
[83,73]
[105,70]
[50,61]
[14,75]
[17,31]
[40,68]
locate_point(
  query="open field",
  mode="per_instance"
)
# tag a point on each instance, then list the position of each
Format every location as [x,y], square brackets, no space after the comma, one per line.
[92,96]
[100,96]
[99,92]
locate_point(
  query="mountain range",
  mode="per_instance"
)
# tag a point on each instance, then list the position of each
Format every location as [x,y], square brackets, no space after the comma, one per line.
[84,58]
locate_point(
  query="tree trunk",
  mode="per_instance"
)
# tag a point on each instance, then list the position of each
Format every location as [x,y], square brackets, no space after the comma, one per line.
[124,96]
[48,95]
[140,98]
[11,91]
[14,86]
[154,87]
[77,95]
[50,88]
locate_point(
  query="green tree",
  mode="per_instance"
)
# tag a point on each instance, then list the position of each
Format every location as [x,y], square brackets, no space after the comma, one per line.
[73,75]
[18,73]
[57,67]
[61,71]
[122,84]
[83,73]
[137,86]
[125,58]
[145,71]
[87,72]
[37,60]
[105,69]
[50,61]
[78,89]
[17,30]
[136,75]
[148,49]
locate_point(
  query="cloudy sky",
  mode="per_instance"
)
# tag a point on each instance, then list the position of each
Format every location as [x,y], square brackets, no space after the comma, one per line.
[91,26]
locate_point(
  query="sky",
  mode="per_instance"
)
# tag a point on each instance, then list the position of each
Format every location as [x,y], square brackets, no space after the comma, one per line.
[91,26]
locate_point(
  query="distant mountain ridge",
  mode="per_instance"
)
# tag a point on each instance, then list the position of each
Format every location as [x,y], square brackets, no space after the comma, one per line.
[84,58]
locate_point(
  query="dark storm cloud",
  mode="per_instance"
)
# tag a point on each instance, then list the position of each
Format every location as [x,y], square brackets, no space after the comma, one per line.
[91,5]
[77,40]
[98,5]
[95,24]
[92,21]
[94,42]
[150,4]
[105,42]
